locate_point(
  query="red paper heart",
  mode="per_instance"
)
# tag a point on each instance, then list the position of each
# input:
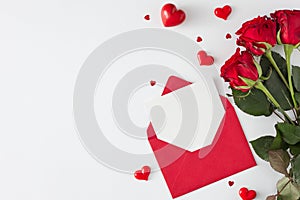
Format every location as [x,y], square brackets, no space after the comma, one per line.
[230,183]
[171,16]
[223,12]
[247,194]
[143,173]
[152,83]
[204,59]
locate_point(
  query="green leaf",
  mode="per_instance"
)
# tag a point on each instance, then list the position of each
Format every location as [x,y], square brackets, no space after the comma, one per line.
[266,64]
[278,142]
[296,77]
[279,197]
[288,190]
[297,97]
[296,169]
[279,160]
[262,145]
[295,149]
[279,91]
[274,84]
[290,133]
[256,103]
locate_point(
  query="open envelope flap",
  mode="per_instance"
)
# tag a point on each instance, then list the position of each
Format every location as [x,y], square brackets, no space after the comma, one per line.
[184,171]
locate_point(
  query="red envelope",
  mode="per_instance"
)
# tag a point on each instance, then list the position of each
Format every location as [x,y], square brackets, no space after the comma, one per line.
[186,171]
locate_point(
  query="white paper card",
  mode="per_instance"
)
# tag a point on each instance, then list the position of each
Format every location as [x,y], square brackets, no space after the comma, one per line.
[184,117]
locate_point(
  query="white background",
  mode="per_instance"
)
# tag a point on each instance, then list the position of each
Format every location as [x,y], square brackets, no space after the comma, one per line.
[42,47]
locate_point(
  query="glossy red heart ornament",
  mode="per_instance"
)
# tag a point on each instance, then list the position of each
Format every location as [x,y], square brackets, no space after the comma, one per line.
[152,83]
[246,194]
[171,16]
[223,12]
[205,59]
[147,17]
[143,173]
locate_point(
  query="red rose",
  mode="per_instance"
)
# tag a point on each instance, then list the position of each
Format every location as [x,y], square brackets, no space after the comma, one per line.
[255,31]
[289,25]
[239,65]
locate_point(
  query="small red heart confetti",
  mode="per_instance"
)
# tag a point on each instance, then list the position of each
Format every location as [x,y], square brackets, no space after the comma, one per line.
[199,39]
[171,16]
[152,83]
[228,36]
[147,17]
[246,194]
[230,183]
[143,173]
[223,12]
[205,59]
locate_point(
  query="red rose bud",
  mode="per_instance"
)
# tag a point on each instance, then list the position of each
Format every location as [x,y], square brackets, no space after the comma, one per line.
[289,25]
[257,35]
[240,66]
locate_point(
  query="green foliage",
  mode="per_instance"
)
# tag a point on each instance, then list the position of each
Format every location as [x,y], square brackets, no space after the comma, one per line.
[255,103]
[262,145]
[279,160]
[297,97]
[295,149]
[296,169]
[279,198]
[279,143]
[274,84]
[290,133]
[296,77]
[280,61]
[288,190]
[277,91]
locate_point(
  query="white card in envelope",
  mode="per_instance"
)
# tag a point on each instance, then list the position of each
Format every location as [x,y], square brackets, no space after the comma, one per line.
[184,117]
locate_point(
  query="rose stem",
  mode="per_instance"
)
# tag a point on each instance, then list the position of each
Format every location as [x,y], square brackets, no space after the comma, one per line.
[278,116]
[271,59]
[278,193]
[261,87]
[288,49]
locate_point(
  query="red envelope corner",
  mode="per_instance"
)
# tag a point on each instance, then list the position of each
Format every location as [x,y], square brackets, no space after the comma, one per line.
[228,154]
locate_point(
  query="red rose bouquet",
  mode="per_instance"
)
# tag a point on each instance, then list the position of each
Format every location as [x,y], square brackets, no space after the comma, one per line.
[263,83]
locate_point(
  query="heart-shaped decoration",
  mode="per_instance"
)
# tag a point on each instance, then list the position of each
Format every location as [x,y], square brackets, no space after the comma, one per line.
[199,39]
[247,194]
[143,173]
[223,12]
[152,83]
[147,17]
[230,183]
[205,59]
[171,16]
[228,36]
